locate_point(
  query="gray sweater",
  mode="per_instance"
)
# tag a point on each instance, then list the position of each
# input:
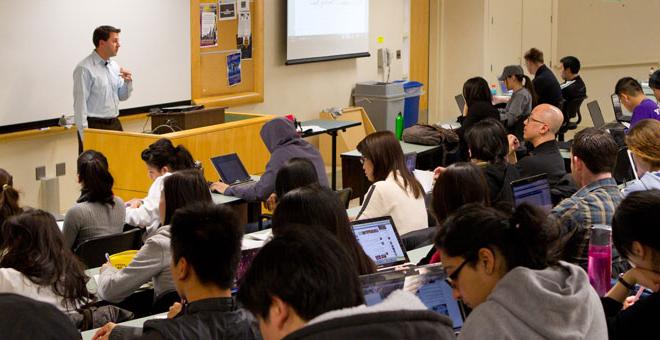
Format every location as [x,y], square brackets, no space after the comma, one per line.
[87,220]
[553,303]
[151,263]
[518,106]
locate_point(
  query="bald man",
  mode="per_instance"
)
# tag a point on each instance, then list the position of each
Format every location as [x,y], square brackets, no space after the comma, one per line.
[540,129]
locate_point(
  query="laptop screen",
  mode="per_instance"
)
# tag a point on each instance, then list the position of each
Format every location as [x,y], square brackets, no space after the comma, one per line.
[427,283]
[596,114]
[620,112]
[411,161]
[247,255]
[534,190]
[380,241]
[230,168]
[460,101]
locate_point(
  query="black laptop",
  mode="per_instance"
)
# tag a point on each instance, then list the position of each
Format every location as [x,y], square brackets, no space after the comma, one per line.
[231,169]
[619,114]
[534,190]
[381,241]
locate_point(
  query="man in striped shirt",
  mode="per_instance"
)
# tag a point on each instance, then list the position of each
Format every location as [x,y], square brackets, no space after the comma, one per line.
[593,154]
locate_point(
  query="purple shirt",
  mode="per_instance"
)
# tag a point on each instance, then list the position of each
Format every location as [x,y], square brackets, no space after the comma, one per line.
[647,109]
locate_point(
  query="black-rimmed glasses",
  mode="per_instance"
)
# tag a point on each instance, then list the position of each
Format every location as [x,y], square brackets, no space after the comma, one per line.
[451,278]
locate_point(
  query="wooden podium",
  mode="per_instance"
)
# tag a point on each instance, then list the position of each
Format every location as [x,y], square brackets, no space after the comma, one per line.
[165,122]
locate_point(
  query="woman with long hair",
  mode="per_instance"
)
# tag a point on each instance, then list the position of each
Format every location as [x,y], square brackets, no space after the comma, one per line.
[316,207]
[395,191]
[478,106]
[152,262]
[97,212]
[37,264]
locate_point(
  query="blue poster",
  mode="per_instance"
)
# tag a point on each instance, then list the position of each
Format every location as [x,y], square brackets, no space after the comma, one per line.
[234,68]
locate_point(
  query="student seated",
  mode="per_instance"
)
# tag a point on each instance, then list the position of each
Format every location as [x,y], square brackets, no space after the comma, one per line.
[36,263]
[395,191]
[540,129]
[478,106]
[545,83]
[573,86]
[636,235]
[456,185]
[301,285]
[593,153]
[522,99]
[654,84]
[8,197]
[503,267]
[152,262]
[97,211]
[295,173]
[632,97]
[206,248]
[488,145]
[317,207]
[643,142]
[162,158]
[283,142]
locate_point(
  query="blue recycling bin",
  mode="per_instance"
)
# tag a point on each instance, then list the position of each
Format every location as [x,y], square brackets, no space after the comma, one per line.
[412,90]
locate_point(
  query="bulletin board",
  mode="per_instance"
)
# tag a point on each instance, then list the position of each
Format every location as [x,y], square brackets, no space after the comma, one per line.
[213,76]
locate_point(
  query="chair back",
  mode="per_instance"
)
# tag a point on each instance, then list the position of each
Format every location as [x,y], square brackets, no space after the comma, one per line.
[92,252]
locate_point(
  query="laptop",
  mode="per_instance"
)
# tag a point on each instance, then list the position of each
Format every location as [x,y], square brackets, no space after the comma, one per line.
[460,101]
[428,283]
[620,112]
[596,114]
[534,190]
[381,241]
[231,169]
[411,161]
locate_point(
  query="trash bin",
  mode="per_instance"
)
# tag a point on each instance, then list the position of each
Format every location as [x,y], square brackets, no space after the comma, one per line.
[382,102]
[413,90]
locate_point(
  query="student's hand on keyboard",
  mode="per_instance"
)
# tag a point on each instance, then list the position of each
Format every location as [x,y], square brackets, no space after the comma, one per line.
[219,187]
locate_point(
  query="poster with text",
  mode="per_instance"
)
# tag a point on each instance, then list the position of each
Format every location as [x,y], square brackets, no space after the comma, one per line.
[234,68]
[244,34]
[208,25]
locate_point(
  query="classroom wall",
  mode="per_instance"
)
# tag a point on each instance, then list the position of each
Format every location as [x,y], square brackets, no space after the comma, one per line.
[303,90]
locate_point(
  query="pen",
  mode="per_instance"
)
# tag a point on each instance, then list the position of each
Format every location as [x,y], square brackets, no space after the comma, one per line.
[639,292]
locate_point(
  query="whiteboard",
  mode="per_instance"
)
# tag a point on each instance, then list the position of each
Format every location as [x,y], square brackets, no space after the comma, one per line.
[43,41]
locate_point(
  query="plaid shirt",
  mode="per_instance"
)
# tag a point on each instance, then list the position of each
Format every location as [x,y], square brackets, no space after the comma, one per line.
[595,203]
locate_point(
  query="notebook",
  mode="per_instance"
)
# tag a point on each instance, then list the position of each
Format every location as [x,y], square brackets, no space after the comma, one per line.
[534,190]
[380,241]
[231,169]
[620,112]
[428,283]
[596,114]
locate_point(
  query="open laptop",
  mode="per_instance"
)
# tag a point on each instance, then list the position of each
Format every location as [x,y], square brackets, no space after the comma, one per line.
[428,283]
[534,190]
[381,241]
[460,101]
[231,169]
[411,161]
[596,114]
[247,255]
[620,112]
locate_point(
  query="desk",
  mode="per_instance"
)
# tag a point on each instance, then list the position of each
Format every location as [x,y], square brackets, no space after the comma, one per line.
[428,158]
[247,211]
[330,127]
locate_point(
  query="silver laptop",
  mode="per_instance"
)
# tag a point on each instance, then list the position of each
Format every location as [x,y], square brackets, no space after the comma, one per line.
[381,241]
[596,114]
[231,169]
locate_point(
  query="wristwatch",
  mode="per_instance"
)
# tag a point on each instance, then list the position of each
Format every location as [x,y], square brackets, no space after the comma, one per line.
[625,283]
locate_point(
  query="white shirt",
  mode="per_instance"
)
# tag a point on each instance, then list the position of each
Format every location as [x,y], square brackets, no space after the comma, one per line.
[97,89]
[13,281]
[148,214]
[387,198]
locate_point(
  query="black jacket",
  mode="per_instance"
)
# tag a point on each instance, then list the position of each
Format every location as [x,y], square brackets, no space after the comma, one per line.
[547,87]
[477,112]
[576,90]
[217,318]
[546,159]
[499,177]
[638,321]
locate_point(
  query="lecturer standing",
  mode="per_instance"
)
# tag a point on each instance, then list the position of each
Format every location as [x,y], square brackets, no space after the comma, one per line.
[99,84]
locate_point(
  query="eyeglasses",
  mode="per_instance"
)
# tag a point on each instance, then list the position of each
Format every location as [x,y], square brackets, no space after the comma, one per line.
[534,120]
[451,278]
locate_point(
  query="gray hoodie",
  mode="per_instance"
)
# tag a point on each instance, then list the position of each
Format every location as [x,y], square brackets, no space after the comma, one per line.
[283,143]
[650,180]
[554,303]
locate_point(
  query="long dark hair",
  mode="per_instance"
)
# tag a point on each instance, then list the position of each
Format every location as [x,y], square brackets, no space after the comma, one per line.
[182,188]
[163,153]
[95,177]
[487,141]
[8,196]
[33,245]
[295,173]
[384,151]
[459,184]
[476,90]
[525,237]
[316,207]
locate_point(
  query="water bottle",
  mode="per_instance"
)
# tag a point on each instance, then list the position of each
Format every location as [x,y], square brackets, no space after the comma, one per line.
[599,267]
[493,89]
[399,126]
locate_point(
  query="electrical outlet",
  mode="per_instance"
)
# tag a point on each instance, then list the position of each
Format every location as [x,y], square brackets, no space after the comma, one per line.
[60,169]
[40,172]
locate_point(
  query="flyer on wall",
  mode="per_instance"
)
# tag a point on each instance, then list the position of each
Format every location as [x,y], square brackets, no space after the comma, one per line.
[244,34]
[227,9]
[208,25]
[234,68]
